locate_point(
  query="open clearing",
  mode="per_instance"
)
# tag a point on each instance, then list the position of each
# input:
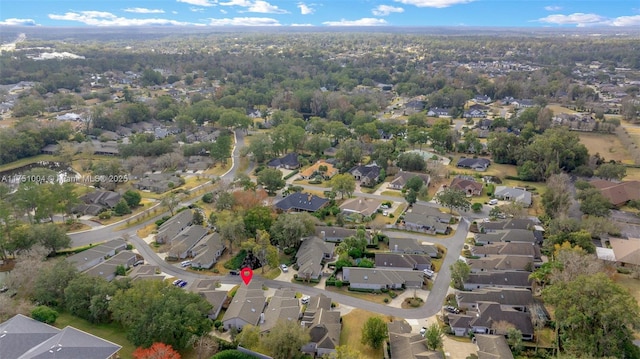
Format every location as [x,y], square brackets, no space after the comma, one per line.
[559,109]
[608,146]
[351,334]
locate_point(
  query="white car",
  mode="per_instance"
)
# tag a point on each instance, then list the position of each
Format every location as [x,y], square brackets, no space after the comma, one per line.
[185,264]
[423,330]
[305,299]
[428,273]
[284,268]
[493,202]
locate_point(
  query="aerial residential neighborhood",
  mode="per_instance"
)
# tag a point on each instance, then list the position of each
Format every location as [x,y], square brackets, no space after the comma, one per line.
[184,192]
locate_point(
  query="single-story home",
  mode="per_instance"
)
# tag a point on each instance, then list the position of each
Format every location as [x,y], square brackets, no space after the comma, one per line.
[364,207]
[401,178]
[500,262]
[97,201]
[246,306]
[509,248]
[367,175]
[403,261]
[337,234]
[513,194]
[185,241]
[466,185]
[626,251]
[403,344]
[378,279]
[477,164]
[159,182]
[487,315]
[412,246]
[95,255]
[301,202]
[208,251]
[283,305]
[325,326]
[174,225]
[288,161]
[516,298]
[618,193]
[502,279]
[430,211]
[311,256]
[418,222]
[512,235]
[492,346]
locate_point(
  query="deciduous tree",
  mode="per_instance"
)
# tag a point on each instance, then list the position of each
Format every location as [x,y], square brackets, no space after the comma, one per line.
[459,274]
[156,351]
[285,339]
[453,199]
[344,184]
[289,228]
[271,179]
[374,332]
[434,336]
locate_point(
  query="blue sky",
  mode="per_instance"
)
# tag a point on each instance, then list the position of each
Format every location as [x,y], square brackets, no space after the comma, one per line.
[322,13]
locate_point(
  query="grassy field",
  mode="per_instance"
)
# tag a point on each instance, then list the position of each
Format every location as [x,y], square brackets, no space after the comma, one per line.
[608,146]
[559,109]
[351,334]
[633,174]
[218,170]
[634,130]
[26,161]
[370,297]
[392,193]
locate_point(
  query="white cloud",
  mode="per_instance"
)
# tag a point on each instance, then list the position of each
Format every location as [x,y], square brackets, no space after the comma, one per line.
[301,25]
[366,21]
[18,22]
[434,3]
[102,18]
[198,2]
[258,6]
[626,21]
[578,18]
[553,8]
[141,10]
[305,9]
[223,11]
[196,9]
[384,10]
[244,21]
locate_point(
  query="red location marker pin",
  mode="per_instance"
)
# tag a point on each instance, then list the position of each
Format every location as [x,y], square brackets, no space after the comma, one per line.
[246,274]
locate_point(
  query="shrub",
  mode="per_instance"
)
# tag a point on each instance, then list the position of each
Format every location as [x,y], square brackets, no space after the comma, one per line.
[476,207]
[236,261]
[339,284]
[105,215]
[386,300]
[44,314]
[393,294]
[289,251]
[207,198]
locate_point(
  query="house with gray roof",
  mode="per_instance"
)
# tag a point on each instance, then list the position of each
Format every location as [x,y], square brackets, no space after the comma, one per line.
[337,234]
[360,207]
[301,202]
[514,194]
[288,161]
[500,262]
[401,178]
[159,182]
[379,278]
[183,243]
[97,201]
[208,251]
[418,222]
[509,248]
[311,256]
[430,211]
[516,298]
[512,235]
[404,261]
[532,224]
[95,255]
[174,225]
[412,246]
[283,305]
[406,345]
[492,347]
[245,307]
[26,338]
[488,314]
[207,288]
[107,269]
[477,164]
[498,279]
[324,326]
[146,271]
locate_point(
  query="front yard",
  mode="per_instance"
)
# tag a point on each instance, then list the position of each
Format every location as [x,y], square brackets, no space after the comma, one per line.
[351,334]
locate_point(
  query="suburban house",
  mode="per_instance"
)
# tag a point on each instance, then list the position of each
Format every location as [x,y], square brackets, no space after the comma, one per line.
[532,224]
[367,175]
[26,338]
[406,345]
[475,113]
[412,246]
[433,212]
[401,178]
[159,182]
[325,326]
[509,248]
[322,168]
[512,235]
[246,306]
[492,346]
[109,267]
[500,262]
[337,234]
[523,103]
[183,243]
[439,112]
[288,161]
[513,194]
[311,256]
[499,279]
[482,99]
[208,251]
[519,299]
[174,225]
[108,148]
[96,255]
[618,193]
[626,251]
[146,271]
[97,201]
[378,279]
[466,185]
[420,222]
[301,202]
[484,321]
[476,164]
[206,288]
[403,261]
[362,207]
[283,305]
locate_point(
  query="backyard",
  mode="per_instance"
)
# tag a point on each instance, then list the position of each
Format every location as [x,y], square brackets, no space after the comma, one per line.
[351,334]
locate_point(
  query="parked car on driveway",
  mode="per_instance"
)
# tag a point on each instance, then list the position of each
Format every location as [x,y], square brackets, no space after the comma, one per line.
[305,299]
[284,268]
[428,273]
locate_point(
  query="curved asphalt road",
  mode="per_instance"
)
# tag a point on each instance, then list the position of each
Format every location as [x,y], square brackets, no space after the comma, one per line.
[432,306]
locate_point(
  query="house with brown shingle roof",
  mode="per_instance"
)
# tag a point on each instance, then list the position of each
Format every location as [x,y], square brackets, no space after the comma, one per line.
[315,169]
[626,251]
[618,193]
[468,186]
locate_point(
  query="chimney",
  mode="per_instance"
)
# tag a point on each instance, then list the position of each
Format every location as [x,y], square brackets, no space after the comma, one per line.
[395,248]
[323,235]
[309,197]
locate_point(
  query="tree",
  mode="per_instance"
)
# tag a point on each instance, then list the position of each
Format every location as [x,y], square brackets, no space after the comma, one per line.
[582,239]
[285,339]
[44,314]
[594,203]
[171,201]
[261,248]
[594,315]
[132,198]
[514,339]
[155,311]
[411,196]
[257,218]
[344,184]
[434,336]
[249,337]
[122,208]
[261,147]
[271,179]
[374,332]
[231,228]
[289,228]
[51,236]
[198,217]
[557,198]
[411,161]
[453,199]
[414,183]
[611,170]
[87,297]
[225,201]
[50,284]
[459,274]
[156,351]
[349,153]
[207,197]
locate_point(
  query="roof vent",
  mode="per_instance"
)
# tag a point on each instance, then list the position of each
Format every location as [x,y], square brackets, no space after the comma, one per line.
[366,277]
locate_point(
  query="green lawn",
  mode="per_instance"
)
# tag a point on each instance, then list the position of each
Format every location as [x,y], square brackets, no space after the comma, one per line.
[351,333]
[111,332]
